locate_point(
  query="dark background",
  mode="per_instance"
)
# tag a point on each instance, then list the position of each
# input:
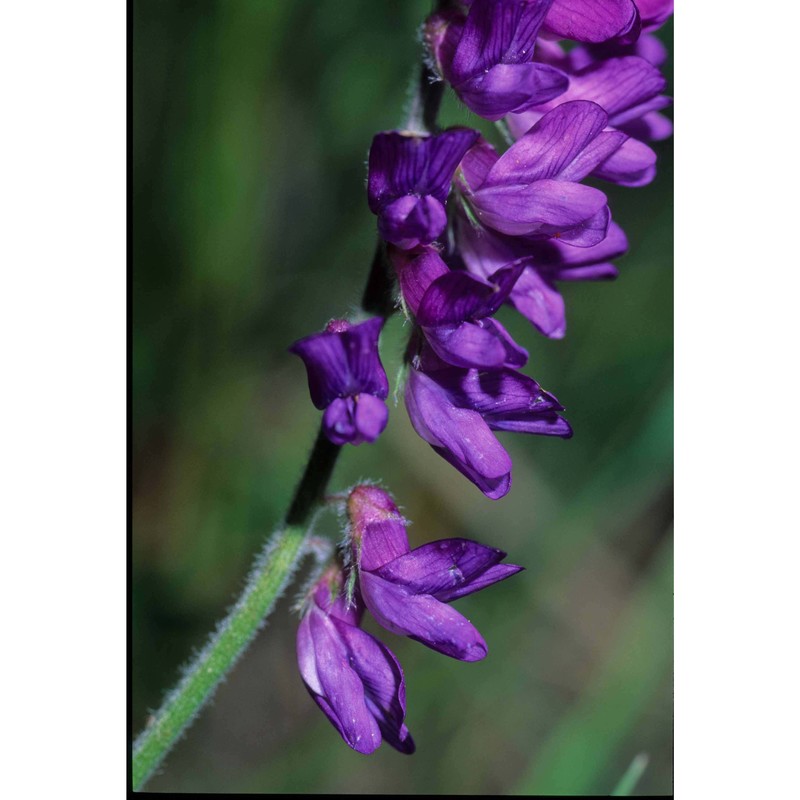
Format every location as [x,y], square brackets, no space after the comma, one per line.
[251,124]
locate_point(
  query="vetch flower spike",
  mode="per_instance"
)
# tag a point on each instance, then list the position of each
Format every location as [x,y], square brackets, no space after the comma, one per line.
[347,379]
[406,590]
[355,679]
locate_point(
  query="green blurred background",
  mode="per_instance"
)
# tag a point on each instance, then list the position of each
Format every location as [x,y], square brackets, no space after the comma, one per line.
[251,125]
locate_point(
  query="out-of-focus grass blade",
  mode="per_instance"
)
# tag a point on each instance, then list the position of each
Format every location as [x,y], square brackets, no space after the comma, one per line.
[576,756]
[632,775]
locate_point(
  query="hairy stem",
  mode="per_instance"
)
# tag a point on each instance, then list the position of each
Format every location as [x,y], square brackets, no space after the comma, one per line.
[278,560]
[269,576]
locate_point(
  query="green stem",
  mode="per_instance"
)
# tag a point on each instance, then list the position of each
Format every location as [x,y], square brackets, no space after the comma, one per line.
[270,574]
[276,563]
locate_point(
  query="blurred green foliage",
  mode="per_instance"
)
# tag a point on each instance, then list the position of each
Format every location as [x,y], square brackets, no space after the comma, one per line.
[251,124]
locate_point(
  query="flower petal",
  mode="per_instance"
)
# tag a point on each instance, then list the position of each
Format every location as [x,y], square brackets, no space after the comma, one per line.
[338,421]
[634,164]
[593,272]
[554,255]
[459,432]
[403,163]
[325,358]
[655,12]
[550,146]
[494,488]
[652,127]
[590,21]
[342,689]
[422,618]
[497,32]
[445,152]
[497,393]
[492,575]
[459,296]
[378,529]
[588,233]
[467,345]
[476,164]
[507,88]
[546,206]
[416,271]
[538,300]
[344,362]
[410,221]
[383,681]
[366,371]
[441,566]
[370,417]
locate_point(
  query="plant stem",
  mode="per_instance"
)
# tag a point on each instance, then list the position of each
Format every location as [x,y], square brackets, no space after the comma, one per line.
[276,563]
[379,292]
[270,574]
[310,491]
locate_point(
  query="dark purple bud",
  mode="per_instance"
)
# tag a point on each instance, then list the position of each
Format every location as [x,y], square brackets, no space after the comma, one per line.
[346,378]
[355,679]
[407,590]
[409,180]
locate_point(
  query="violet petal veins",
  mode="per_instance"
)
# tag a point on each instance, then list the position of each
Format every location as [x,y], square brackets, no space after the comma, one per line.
[407,590]
[355,679]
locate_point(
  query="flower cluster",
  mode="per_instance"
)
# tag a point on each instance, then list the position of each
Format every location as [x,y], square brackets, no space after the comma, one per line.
[465,229]
[468,229]
[354,678]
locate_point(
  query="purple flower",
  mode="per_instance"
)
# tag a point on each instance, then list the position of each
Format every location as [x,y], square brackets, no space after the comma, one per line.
[654,13]
[454,310]
[352,677]
[487,57]
[628,89]
[593,21]
[533,189]
[409,180]
[455,410]
[407,590]
[544,262]
[346,378]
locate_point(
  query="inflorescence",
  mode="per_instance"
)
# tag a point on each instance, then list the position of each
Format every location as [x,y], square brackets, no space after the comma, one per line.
[464,230]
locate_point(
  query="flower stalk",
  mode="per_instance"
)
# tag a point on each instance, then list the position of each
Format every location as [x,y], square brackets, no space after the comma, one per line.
[269,577]
[275,565]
